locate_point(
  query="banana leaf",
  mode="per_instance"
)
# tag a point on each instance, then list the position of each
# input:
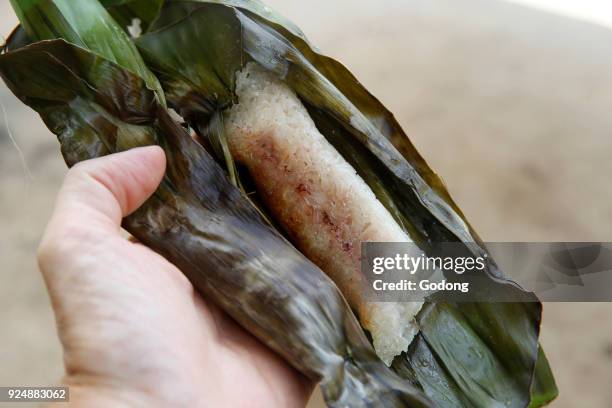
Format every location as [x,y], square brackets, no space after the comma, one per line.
[466,354]
[86,24]
[203,224]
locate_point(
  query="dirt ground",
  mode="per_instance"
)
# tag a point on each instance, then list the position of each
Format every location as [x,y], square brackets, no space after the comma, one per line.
[510,105]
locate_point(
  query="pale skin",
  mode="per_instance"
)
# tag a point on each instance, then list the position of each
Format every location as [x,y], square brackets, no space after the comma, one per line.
[134,331]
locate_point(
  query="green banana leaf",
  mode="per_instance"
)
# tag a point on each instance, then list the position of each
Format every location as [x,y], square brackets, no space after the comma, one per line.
[204,225]
[88,25]
[467,354]
[543,388]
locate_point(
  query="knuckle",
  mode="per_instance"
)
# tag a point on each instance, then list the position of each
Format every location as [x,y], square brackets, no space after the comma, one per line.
[59,246]
[44,253]
[49,252]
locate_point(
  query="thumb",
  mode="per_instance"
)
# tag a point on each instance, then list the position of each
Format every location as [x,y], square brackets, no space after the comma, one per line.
[97,194]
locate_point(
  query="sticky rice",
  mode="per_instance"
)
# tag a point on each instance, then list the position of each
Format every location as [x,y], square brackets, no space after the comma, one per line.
[323,205]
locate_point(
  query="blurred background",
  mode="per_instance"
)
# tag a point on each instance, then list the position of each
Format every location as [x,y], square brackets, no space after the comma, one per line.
[509,103]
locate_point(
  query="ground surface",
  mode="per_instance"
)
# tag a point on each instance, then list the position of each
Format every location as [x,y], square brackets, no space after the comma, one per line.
[510,106]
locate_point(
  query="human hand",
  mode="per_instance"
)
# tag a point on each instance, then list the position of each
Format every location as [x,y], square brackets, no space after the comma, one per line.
[134,331]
